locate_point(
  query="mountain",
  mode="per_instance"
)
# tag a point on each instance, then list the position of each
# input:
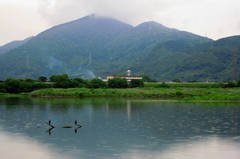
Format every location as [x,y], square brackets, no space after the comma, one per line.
[210,61]
[13,45]
[88,47]
[188,60]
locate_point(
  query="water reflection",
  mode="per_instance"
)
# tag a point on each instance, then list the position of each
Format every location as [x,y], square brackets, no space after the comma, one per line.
[118,128]
[197,148]
[23,147]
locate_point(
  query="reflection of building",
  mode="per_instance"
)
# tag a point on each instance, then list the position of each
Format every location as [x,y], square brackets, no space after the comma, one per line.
[129,77]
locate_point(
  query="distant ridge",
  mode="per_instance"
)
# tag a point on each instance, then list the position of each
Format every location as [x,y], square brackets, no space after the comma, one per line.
[13,45]
[112,45]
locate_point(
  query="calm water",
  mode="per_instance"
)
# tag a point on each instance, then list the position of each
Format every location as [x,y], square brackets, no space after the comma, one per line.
[115,128]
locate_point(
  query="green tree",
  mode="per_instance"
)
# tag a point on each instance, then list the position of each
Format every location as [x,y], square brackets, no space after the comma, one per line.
[145,78]
[136,83]
[176,80]
[79,83]
[26,86]
[59,78]
[41,85]
[98,83]
[2,88]
[42,79]
[238,83]
[61,81]
[231,84]
[117,83]
[12,85]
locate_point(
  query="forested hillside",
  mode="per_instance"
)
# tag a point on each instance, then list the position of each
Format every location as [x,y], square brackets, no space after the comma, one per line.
[92,46]
[188,60]
[13,45]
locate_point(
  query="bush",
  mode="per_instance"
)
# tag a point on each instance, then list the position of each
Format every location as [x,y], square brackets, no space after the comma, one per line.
[12,85]
[238,83]
[117,83]
[179,93]
[231,84]
[98,83]
[163,85]
[26,87]
[136,83]
[40,85]
[176,80]
[79,83]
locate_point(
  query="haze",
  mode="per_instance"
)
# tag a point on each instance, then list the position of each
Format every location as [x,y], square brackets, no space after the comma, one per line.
[211,18]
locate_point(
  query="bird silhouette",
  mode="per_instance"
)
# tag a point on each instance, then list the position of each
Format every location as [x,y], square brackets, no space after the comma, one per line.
[49,122]
[75,122]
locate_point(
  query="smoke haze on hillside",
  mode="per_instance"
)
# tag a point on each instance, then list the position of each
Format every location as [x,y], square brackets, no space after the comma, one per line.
[212,18]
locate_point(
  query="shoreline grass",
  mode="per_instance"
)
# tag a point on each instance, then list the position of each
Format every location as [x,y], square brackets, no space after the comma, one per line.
[173,93]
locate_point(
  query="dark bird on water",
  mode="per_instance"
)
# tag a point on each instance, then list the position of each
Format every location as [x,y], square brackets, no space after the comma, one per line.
[75,122]
[49,122]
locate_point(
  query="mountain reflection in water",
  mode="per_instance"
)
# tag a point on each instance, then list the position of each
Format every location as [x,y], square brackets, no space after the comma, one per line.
[117,128]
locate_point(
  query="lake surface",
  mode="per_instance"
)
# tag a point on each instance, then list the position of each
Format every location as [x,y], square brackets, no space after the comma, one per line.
[116,128]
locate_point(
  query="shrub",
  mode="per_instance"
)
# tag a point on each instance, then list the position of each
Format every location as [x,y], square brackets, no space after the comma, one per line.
[176,80]
[231,84]
[163,85]
[179,93]
[12,85]
[117,83]
[136,83]
[98,83]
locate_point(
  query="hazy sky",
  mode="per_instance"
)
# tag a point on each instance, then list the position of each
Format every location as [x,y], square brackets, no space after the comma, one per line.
[212,18]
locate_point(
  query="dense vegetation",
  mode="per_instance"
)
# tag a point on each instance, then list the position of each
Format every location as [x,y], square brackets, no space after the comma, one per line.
[188,60]
[63,81]
[176,93]
[96,47]
[13,45]
[63,86]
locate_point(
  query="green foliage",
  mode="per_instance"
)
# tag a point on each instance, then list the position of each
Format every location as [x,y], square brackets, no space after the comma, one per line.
[66,47]
[2,88]
[179,93]
[176,80]
[42,79]
[79,83]
[231,84]
[26,87]
[61,81]
[59,78]
[41,85]
[117,83]
[192,81]
[29,80]
[136,83]
[145,78]
[163,85]
[12,85]
[98,83]
[238,83]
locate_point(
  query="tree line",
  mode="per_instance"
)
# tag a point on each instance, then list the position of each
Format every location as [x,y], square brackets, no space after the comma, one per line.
[16,86]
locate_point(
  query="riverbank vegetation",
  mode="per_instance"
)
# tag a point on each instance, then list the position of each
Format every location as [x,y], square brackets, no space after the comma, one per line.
[63,86]
[176,93]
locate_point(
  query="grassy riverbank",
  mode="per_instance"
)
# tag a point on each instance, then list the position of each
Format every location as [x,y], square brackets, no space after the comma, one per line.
[168,93]
[194,84]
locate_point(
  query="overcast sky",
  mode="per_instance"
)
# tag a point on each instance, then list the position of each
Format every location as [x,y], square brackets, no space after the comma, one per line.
[215,19]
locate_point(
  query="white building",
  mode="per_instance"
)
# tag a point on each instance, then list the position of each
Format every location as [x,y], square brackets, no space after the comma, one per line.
[129,77]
